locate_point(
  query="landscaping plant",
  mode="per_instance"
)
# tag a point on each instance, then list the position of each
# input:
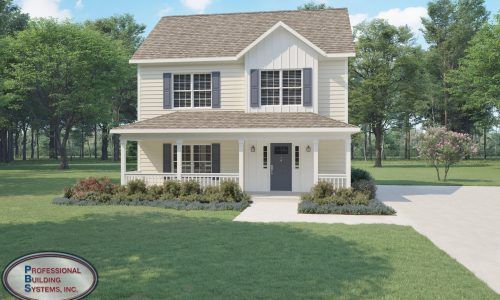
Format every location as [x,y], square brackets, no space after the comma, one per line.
[444,148]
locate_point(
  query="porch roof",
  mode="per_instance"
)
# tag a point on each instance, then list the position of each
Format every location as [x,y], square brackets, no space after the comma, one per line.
[222,120]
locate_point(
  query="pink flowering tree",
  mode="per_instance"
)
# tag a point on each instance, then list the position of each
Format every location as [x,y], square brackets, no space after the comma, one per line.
[444,148]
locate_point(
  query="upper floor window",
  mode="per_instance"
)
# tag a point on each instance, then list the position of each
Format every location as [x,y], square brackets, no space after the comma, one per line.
[281,87]
[192,90]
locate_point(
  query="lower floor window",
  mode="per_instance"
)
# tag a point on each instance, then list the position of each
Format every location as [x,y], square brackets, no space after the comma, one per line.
[195,158]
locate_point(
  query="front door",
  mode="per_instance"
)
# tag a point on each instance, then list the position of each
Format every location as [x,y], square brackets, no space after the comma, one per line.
[281,167]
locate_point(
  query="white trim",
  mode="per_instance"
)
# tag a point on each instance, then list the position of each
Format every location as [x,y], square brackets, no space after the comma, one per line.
[241,163]
[347,142]
[123,159]
[291,30]
[216,59]
[179,159]
[181,60]
[138,93]
[346,93]
[236,130]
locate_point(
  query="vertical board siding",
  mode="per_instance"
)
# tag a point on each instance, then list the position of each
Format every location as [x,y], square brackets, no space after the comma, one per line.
[232,86]
[332,89]
[151,155]
[281,50]
[331,157]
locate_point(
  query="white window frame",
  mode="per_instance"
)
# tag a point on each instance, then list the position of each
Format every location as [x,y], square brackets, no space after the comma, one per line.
[192,90]
[280,87]
[191,157]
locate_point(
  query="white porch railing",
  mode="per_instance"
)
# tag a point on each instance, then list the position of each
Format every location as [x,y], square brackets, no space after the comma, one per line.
[338,180]
[205,179]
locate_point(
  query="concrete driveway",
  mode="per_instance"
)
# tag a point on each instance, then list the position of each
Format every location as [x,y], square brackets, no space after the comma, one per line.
[462,221]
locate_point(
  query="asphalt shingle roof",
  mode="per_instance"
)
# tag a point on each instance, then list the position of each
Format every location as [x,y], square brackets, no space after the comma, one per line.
[221,119]
[225,35]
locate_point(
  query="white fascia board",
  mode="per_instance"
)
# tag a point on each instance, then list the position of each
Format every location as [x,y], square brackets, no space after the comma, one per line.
[291,30]
[238,130]
[182,60]
[335,55]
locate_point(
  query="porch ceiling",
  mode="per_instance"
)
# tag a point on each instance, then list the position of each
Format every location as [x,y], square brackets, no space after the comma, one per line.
[236,121]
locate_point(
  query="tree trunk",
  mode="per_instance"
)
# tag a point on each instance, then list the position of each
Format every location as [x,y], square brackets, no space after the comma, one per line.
[409,144]
[62,148]
[37,144]
[352,150]
[484,141]
[95,141]
[82,144]
[10,150]
[3,145]
[16,142]
[378,144]
[104,142]
[370,150]
[32,152]
[116,147]
[25,140]
[365,142]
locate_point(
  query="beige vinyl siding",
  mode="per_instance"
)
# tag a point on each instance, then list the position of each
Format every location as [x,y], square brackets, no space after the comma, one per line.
[233,89]
[332,89]
[151,155]
[331,157]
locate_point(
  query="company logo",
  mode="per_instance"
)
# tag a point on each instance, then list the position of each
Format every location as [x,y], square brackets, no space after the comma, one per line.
[49,275]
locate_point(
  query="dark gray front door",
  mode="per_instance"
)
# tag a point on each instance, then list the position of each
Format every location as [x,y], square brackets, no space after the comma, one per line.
[281,167]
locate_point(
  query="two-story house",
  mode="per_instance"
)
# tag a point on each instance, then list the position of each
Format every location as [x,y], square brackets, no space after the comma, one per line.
[257,98]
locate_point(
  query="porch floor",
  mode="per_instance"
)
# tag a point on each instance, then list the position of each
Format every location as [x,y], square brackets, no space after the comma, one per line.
[282,207]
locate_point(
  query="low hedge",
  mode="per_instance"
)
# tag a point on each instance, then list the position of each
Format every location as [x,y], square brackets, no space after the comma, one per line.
[374,207]
[173,204]
[173,194]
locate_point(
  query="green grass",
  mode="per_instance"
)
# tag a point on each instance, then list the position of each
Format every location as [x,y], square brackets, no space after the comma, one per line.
[152,253]
[417,172]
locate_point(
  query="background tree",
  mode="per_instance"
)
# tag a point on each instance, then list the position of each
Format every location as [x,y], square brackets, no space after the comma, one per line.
[375,75]
[477,80]
[312,5]
[69,68]
[448,29]
[129,33]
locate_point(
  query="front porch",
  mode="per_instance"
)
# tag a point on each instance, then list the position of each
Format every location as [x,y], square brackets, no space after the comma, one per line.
[250,162]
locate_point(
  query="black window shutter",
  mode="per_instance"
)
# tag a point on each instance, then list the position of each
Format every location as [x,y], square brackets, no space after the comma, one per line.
[254,88]
[307,87]
[215,158]
[167,158]
[167,93]
[215,89]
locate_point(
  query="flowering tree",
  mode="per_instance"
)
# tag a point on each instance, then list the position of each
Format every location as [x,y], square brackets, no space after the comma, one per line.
[444,148]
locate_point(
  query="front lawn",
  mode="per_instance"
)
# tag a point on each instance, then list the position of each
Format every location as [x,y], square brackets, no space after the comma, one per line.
[418,172]
[153,253]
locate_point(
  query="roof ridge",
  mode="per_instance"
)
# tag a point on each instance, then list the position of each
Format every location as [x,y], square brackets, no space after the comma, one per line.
[255,12]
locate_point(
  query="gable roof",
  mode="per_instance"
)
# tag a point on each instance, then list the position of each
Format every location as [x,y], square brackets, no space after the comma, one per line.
[225,36]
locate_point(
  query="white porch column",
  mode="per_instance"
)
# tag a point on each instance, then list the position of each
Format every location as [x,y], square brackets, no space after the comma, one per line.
[123,159]
[315,160]
[347,143]
[179,159]
[241,163]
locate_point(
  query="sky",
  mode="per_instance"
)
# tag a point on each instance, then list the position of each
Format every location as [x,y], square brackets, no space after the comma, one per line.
[148,12]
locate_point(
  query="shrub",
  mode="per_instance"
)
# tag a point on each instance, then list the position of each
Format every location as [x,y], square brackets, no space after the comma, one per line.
[360,174]
[136,186]
[120,196]
[155,192]
[322,189]
[214,197]
[167,196]
[211,190]
[68,192]
[90,187]
[444,148]
[306,197]
[172,187]
[231,191]
[374,207]
[190,187]
[367,187]
[191,197]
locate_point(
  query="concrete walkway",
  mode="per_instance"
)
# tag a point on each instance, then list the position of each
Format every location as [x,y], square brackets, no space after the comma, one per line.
[462,221]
